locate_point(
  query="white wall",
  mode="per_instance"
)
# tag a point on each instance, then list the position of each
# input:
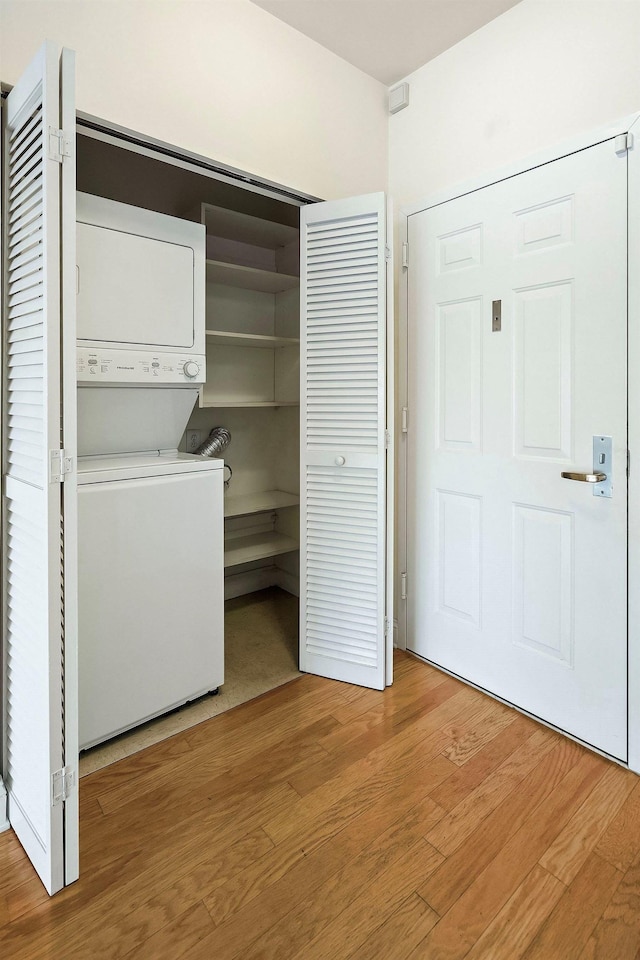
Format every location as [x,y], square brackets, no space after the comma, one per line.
[222,78]
[540,73]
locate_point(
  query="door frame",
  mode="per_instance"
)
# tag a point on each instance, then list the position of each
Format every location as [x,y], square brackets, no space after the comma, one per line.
[631,127]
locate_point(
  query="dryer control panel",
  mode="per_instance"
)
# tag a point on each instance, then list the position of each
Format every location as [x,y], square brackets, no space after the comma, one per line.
[106,367]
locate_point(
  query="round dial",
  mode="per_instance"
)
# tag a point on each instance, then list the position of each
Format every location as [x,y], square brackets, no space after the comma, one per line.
[191,369]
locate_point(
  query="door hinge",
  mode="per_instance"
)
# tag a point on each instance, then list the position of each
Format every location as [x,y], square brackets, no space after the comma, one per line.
[622,143]
[62,783]
[405,419]
[387,626]
[628,464]
[405,254]
[60,465]
[59,145]
[387,252]
[403,586]
[387,439]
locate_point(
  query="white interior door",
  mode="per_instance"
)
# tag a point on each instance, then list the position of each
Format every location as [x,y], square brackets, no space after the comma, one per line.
[40,759]
[517,576]
[345,602]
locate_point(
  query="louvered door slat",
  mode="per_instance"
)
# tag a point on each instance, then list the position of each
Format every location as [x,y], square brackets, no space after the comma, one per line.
[21,164]
[325,326]
[30,196]
[343,348]
[339,229]
[25,227]
[24,133]
[329,632]
[26,212]
[28,143]
[358,265]
[33,615]
[18,334]
[356,298]
[329,284]
[28,301]
[23,281]
[27,243]
[26,345]
[25,261]
[28,192]
[25,224]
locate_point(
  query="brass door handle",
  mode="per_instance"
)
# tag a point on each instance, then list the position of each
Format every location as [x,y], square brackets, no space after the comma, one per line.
[584,477]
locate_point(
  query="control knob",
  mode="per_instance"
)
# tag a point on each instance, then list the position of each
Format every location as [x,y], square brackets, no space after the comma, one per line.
[191,369]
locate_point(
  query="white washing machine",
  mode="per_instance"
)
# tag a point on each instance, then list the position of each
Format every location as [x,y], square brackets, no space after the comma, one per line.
[151,567]
[150,519]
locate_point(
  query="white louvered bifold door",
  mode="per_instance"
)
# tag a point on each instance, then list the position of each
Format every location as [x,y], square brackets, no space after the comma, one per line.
[343,455]
[33,425]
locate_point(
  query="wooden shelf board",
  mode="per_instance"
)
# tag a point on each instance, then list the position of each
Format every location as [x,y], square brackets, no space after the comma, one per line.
[248,503]
[207,402]
[249,278]
[228,339]
[232,225]
[258,546]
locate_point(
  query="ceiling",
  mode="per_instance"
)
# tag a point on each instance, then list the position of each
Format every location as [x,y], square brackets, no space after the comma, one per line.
[387,39]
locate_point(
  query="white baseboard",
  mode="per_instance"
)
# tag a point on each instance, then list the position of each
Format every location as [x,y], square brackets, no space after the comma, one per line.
[4,811]
[237,584]
[287,581]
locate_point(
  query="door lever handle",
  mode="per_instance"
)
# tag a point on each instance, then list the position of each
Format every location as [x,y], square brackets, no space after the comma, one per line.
[584,477]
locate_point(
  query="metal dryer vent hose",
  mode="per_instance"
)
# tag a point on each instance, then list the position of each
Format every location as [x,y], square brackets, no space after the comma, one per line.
[217,441]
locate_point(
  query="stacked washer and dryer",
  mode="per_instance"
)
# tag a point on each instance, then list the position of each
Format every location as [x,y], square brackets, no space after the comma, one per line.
[150,519]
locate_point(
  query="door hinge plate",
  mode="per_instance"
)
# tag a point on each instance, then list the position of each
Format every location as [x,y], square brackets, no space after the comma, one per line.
[387,626]
[405,419]
[622,143]
[403,586]
[60,465]
[387,439]
[62,783]
[405,254]
[387,252]
[59,145]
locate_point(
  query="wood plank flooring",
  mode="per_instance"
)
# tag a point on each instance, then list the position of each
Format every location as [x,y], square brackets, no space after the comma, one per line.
[322,822]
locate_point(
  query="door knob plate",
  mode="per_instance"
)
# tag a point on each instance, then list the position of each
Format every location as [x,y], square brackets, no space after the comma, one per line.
[600,477]
[603,463]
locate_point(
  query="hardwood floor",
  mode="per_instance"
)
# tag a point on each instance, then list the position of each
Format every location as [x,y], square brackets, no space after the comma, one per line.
[323,822]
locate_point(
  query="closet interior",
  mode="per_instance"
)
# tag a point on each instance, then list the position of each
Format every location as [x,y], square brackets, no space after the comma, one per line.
[252,364]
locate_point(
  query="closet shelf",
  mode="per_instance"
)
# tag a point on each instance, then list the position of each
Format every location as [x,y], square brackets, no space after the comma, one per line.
[224,404]
[248,503]
[232,225]
[249,278]
[258,546]
[227,339]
